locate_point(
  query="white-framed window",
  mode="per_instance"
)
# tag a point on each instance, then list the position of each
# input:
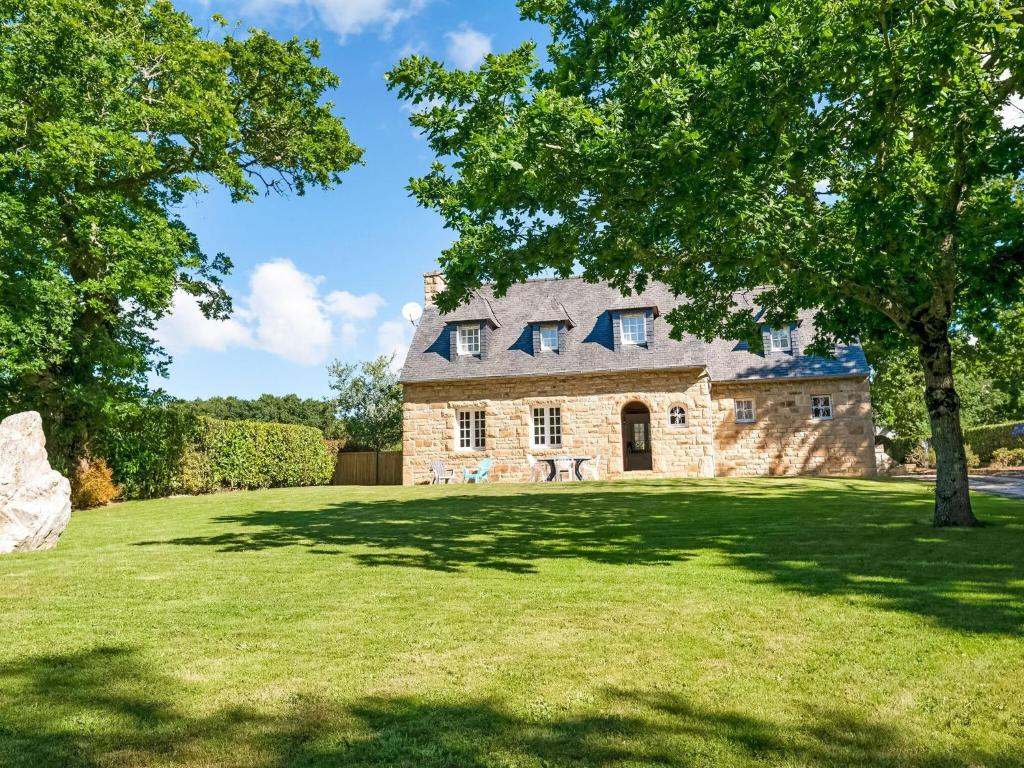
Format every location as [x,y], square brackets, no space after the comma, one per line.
[677,416]
[634,328]
[547,426]
[469,340]
[471,428]
[821,407]
[549,338]
[744,411]
[780,341]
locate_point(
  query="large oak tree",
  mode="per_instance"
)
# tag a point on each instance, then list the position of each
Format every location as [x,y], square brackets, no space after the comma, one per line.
[853,156]
[111,113]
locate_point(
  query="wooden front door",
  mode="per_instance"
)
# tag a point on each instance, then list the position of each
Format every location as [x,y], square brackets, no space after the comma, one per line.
[636,437]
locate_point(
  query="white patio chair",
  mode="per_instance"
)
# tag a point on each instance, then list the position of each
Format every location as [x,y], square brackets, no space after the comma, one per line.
[441,476]
[538,469]
[564,466]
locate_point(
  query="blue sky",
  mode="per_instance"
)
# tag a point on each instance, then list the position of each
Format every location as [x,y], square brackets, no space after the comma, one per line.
[326,275]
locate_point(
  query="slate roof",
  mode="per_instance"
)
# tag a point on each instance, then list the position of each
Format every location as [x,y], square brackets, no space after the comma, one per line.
[588,346]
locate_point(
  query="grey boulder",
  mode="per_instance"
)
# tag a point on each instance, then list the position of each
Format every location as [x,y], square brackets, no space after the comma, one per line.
[35,499]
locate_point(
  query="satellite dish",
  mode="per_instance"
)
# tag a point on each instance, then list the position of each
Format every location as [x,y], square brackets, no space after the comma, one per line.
[412,312]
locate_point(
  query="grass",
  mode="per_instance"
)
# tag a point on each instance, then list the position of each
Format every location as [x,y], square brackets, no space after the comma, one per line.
[684,623]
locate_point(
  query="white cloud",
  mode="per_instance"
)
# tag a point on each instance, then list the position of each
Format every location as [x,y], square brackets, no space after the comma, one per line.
[284,314]
[291,320]
[345,17]
[394,337]
[186,327]
[1012,113]
[357,307]
[467,47]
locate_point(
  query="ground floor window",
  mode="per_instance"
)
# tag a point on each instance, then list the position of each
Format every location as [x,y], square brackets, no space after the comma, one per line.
[821,406]
[547,426]
[677,416]
[472,430]
[744,411]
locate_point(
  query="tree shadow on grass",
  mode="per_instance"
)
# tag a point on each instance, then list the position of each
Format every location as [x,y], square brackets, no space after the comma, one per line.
[104,706]
[826,537]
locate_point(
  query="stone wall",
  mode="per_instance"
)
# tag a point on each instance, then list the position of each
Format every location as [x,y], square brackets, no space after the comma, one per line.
[591,407]
[785,439]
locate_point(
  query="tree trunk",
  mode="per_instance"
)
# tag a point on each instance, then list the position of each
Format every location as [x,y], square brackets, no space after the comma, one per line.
[952,500]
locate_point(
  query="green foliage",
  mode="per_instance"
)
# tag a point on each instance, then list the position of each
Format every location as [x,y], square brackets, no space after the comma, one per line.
[973,460]
[1008,457]
[283,409]
[369,401]
[111,114]
[897,386]
[167,449]
[254,454]
[985,440]
[844,157]
[145,445]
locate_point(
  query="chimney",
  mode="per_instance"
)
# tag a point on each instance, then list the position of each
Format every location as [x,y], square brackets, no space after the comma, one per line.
[433,283]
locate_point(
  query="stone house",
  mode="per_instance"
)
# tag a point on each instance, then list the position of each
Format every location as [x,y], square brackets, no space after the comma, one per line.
[562,367]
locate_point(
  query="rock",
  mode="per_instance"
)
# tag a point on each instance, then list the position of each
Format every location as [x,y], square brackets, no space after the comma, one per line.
[35,500]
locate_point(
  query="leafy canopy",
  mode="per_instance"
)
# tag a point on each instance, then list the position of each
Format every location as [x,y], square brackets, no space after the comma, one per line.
[280,409]
[369,400]
[849,154]
[111,113]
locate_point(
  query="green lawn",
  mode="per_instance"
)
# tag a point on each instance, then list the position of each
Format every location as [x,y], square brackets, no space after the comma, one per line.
[689,623]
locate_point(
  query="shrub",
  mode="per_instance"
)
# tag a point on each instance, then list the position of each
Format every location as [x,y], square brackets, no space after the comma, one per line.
[258,454]
[162,450]
[972,458]
[146,446]
[92,484]
[1008,457]
[922,456]
[984,440]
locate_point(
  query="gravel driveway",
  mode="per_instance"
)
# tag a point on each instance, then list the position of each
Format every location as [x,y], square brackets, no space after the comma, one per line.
[1012,487]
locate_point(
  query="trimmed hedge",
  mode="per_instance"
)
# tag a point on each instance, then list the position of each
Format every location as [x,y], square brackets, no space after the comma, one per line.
[984,440]
[159,451]
[144,445]
[260,454]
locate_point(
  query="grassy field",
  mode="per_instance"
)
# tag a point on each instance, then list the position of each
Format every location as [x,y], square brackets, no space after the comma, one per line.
[690,623]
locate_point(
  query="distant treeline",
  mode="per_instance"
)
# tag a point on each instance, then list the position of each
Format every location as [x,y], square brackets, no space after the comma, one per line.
[282,409]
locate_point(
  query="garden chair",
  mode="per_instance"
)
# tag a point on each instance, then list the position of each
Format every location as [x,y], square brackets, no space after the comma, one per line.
[442,476]
[593,466]
[480,475]
[538,469]
[564,466]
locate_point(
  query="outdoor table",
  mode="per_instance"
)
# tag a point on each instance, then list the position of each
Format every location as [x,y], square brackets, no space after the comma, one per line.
[577,464]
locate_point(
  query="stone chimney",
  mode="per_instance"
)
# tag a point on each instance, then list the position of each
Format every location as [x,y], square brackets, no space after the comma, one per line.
[433,283]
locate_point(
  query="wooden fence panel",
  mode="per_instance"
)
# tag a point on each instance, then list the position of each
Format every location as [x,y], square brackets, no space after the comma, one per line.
[368,468]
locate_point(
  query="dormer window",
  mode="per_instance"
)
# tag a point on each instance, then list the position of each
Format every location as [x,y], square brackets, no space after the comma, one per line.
[549,338]
[634,328]
[778,340]
[469,340]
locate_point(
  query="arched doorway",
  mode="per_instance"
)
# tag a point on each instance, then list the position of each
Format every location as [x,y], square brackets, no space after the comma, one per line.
[636,437]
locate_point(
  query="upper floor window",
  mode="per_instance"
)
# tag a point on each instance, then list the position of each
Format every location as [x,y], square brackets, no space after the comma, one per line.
[780,341]
[634,328]
[472,428]
[744,411]
[469,340]
[547,426]
[677,416]
[549,338]
[821,406]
